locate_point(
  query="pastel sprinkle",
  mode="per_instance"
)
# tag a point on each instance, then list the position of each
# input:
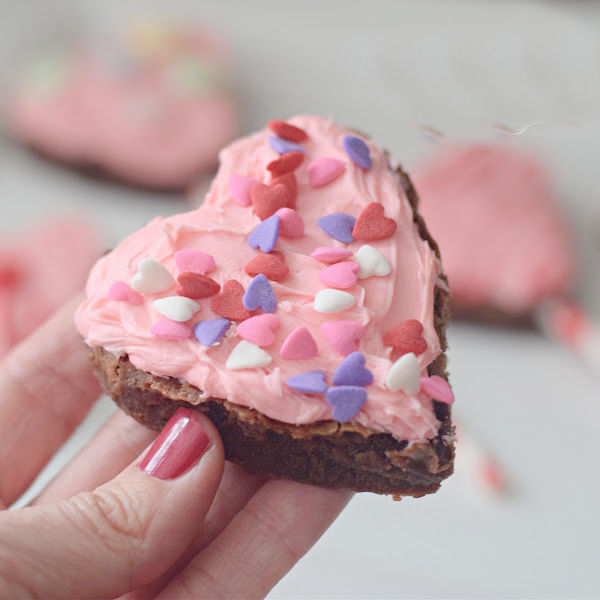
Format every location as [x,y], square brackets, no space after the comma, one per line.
[123,292]
[228,302]
[291,185]
[151,277]
[352,371]
[332,301]
[247,356]
[341,275]
[267,200]
[194,261]
[177,308]
[322,171]
[287,131]
[239,188]
[373,225]
[286,163]
[211,331]
[270,265]
[406,337]
[343,336]
[330,254]
[357,151]
[299,344]
[371,262]
[265,235]
[259,330]
[310,382]
[438,388]
[339,226]
[196,286]
[291,224]
[284,146]
[260,294]
[170,330]
[404,375]
[346,401]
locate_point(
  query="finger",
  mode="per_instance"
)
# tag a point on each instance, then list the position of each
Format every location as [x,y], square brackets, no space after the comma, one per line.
[261,544]
[116,445]
[125,533]
[46,388]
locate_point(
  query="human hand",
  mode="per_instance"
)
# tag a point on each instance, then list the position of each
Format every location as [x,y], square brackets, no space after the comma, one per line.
[172,522]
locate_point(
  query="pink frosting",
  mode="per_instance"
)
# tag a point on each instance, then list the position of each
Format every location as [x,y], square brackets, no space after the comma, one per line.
[134,115]
[493,213]
[221,227]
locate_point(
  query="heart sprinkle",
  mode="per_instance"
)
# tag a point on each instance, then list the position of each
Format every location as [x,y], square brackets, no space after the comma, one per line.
[371,262]
[265,234]
[299,344]
[267,200]
[270,265]
[438,388]
[286,163]
[373,225]
[330,254]
[291,185]
[282,146]
[343,335]
[324,170]
[404,375]
[291,224]
[357,151]
[177,308]
[332,301]
[194,261]
[339,226]
[247,356]
[122,292]
[260,294]
[211,331]
[259,330]
[341,275]
[406,337]
[346,401]
[151,277]
[170,330]
[195,285]
[287,131]
[228,302]
[351,371]
[239,188]
[311,382]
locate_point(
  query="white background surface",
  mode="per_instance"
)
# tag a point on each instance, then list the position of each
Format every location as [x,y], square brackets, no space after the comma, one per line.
[389,67]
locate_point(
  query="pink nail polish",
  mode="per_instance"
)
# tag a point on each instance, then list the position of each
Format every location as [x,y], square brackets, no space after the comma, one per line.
[178,446]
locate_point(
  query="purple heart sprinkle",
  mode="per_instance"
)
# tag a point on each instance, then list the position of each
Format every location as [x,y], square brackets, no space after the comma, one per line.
[346,401]
[311,382]
[264,236]
[357,151]
[282,146]
[339,226]
[351,371]
[260,294]
[211,331]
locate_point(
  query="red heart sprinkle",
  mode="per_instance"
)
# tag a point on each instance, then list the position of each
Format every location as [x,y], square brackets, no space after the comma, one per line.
[9,275]
[289,180]
[267,200]
[372,225]
[406,337]
[271,266]
[286,131]
[228,303]
[196,285]
[288,162]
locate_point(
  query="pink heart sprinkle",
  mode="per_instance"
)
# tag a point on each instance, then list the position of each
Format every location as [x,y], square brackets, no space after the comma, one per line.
[259,330]
[343,335]
[299,344]
[330,254]
[122,292]
[438,388]
[324,170]
[341,275]
[290,223]
[170,330]
[194,261]
[239,188]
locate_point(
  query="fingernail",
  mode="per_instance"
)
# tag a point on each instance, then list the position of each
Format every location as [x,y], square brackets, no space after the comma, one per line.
[178,446]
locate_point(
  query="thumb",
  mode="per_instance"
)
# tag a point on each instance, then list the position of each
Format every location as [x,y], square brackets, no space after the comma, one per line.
[125,533]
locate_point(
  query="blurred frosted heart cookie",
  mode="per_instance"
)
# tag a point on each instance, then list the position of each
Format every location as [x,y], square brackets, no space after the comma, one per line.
[312,351]
[151,108]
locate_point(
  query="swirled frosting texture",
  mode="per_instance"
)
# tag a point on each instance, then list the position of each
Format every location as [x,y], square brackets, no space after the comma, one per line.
[221,228]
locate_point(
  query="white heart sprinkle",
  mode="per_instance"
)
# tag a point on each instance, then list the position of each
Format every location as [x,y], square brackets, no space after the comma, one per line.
[177,308]
[247,355]
[332,301]
[404,375]
[151,277]
[371,262]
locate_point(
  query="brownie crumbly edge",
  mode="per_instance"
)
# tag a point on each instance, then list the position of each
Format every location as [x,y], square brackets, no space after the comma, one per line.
[327,453]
